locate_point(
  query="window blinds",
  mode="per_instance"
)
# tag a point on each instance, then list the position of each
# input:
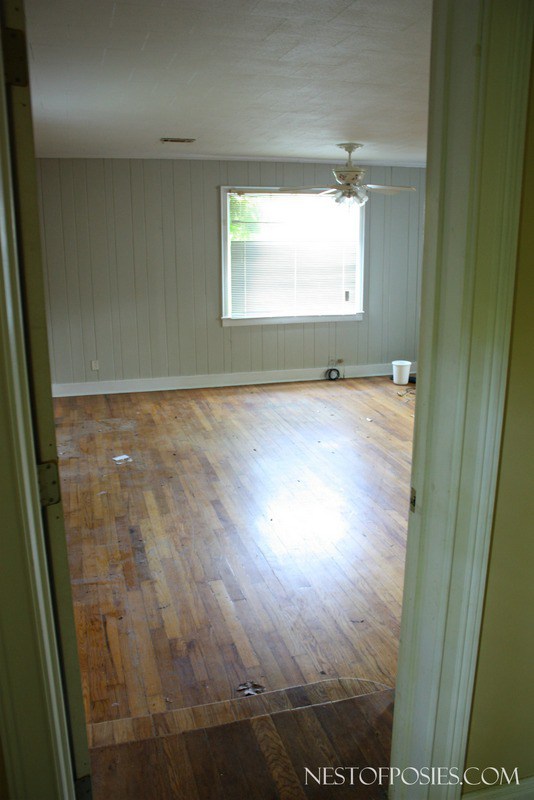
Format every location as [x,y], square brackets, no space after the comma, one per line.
[292,255]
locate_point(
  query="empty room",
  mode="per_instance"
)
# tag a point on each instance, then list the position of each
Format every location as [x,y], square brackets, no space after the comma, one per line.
[223,568]
[228,278]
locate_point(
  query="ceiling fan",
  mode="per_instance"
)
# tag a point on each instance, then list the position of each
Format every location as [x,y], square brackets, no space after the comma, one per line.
[350,187]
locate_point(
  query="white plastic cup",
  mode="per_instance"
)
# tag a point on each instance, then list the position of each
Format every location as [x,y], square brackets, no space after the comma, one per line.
[401,372]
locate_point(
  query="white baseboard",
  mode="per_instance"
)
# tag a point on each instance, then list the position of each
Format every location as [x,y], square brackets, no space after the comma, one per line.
[523,791]
[220,379]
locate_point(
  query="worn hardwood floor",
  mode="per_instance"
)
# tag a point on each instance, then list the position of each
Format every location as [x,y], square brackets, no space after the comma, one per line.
[263,758]
[256,533]
[180,720]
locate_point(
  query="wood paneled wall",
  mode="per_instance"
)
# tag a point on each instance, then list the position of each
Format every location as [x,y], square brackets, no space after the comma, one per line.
[132,260]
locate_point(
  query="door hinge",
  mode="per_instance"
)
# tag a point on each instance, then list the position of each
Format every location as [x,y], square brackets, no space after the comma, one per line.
[413,498]
[15,58]
[82,787]
[48,476]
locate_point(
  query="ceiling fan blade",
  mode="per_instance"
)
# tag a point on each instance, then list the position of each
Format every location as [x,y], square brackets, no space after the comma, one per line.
[331,190]
[377,187]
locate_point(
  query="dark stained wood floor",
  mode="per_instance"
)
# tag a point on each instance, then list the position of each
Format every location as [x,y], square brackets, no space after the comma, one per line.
[256,533]
[262,758]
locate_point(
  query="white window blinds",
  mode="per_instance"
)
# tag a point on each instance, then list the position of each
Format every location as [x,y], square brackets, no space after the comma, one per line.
[291,255]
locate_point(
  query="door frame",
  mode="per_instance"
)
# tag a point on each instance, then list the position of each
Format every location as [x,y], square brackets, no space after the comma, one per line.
[34,734]
[31,274]
[480,75]
[27,361]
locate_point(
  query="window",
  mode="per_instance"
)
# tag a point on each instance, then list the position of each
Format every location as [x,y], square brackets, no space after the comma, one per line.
[290,257]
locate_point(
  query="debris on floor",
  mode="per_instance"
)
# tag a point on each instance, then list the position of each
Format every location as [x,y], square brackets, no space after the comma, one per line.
[406,391]
[249,688]
[121,459]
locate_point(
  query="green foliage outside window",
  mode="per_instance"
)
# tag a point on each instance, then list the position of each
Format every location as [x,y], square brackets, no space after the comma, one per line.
[244,218]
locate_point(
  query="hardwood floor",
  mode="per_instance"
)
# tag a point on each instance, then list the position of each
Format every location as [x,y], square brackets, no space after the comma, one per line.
[256,533]
[118,731]
[264,758]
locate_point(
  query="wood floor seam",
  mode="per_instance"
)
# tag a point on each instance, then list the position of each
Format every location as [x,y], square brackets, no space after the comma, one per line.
[153,729]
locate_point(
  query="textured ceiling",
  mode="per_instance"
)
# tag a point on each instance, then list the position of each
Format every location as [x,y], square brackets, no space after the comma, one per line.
[246,78]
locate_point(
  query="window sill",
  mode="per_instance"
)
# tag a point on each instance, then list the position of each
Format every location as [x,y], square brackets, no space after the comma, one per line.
[230,321]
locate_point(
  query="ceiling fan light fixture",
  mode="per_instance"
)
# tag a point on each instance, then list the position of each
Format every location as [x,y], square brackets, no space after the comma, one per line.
[350,178]
[348,174]
[352,195]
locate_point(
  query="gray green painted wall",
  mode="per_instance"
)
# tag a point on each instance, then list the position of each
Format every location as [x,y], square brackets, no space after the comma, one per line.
[502,724]
[132,260]
[3,779]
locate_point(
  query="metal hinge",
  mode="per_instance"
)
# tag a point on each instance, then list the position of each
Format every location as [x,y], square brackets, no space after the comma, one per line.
[82,787]
[413,497]
[48,476]
[15,58]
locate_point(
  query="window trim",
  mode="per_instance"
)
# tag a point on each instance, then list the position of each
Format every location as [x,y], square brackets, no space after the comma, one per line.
[229,321]
[226,319]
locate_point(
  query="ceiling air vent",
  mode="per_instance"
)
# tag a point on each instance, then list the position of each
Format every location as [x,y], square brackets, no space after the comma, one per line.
[176,139]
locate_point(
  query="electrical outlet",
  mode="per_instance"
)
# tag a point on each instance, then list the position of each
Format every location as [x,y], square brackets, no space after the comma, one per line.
[94,365]
[340,361]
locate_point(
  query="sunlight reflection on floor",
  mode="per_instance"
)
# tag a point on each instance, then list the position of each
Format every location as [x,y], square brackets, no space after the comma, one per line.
[305,522]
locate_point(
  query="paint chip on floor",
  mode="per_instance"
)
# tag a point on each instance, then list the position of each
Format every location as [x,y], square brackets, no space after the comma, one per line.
[121,459]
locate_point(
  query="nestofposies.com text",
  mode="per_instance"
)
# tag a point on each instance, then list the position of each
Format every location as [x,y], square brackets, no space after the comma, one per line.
[410,776]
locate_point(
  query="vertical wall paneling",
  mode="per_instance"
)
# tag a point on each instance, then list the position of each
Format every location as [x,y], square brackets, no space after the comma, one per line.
[170,277]
[269,343]
[132,258]
[82,262]
[122,210]
[46,271]
[415,237]
[376,266]
[321,350]
[197,195]
[416,249]
[114,293]
[183,222]
[57,282]
[308,345]
[388,253]
[100,268]
[139,271]
[155,266]
[399,304]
